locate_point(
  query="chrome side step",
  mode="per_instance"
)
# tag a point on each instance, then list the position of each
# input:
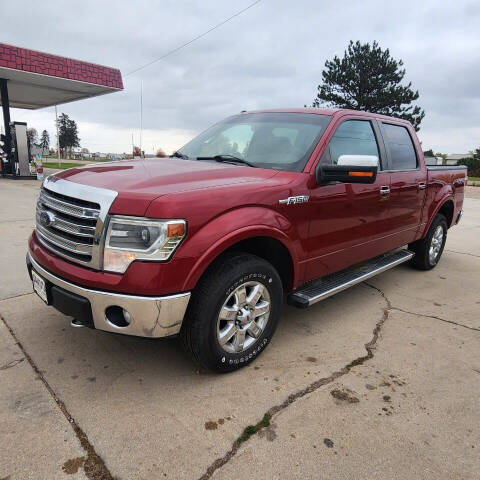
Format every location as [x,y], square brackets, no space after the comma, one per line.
[327,286]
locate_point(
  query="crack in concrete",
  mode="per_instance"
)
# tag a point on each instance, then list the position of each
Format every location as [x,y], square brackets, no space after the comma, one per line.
[16,296]
[94,467]
[436,318]
[463,253]
[12,363]
[252,430]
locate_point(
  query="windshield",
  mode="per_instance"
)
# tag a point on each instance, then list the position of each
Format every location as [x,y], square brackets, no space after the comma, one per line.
[280,141]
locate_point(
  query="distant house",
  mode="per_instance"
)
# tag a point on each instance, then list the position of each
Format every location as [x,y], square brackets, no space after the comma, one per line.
[77,153]
[116,156]
[433,160]
[453,158]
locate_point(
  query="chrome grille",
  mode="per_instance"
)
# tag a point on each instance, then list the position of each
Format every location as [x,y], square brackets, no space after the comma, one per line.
[68,227]
[64,206]
[69,223]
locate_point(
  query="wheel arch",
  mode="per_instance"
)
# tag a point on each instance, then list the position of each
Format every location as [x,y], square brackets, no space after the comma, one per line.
[265,242]
[445,207]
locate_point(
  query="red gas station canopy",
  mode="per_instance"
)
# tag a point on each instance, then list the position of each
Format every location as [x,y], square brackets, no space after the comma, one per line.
[37,80]
[31,79]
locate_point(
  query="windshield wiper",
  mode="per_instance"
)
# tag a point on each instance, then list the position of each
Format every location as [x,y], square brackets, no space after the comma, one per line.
[227,158]
[178,154]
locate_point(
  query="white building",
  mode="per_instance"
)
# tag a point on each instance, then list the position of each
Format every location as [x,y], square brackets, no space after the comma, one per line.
[453,158]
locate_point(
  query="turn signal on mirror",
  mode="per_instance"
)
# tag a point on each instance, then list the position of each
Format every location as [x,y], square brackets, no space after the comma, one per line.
[360,174]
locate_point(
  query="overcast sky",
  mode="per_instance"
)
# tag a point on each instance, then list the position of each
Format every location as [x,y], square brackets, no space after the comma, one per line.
[270,56]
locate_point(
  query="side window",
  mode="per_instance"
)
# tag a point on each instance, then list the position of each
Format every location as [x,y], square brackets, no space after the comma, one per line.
[400,146]
[353,137]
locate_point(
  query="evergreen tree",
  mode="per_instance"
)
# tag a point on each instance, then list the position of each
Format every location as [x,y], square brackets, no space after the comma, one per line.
[67,133]
[44,141]
[368,78]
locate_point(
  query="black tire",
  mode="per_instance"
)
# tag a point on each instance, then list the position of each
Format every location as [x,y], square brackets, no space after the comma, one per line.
[201,327]
[422,259]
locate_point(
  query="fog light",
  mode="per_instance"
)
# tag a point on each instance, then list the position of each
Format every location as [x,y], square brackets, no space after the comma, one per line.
[118,316]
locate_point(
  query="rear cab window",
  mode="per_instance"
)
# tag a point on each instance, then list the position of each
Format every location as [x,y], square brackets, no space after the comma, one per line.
[400,147]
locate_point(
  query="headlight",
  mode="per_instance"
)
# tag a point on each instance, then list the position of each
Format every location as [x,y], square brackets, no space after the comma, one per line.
[136,238]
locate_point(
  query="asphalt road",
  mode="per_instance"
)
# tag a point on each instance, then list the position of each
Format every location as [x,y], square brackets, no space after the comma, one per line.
[381,381]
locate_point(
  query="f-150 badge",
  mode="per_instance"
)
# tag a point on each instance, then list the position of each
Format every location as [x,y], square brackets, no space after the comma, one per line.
[292,200]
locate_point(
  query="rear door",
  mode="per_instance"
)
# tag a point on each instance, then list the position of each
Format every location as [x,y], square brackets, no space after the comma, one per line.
[348,221]
[408,181]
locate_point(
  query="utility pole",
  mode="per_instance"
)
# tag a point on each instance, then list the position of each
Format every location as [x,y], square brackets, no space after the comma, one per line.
[58,137]
[133,146]
[141,116]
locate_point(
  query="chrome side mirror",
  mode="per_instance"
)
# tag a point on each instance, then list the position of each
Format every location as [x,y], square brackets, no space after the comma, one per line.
[358,160]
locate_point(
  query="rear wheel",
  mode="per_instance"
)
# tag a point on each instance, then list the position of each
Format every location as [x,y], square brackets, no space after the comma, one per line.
[233,313]
[428,250]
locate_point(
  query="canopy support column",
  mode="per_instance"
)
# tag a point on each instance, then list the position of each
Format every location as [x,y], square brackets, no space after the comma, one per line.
[6,121]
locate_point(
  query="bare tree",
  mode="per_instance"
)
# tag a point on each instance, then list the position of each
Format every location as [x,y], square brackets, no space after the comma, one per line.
[32,136]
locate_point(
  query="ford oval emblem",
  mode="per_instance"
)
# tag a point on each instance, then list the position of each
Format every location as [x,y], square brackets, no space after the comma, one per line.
[47,219]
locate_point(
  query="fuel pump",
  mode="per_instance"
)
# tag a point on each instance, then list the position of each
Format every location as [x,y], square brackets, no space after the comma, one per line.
[20,149]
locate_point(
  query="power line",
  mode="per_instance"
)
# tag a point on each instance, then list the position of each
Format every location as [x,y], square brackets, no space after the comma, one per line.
[193,39]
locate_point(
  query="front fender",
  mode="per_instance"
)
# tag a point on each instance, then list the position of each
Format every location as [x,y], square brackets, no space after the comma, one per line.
[232,227]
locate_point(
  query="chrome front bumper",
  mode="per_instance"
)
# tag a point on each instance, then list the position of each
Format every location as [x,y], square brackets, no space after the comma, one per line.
[152,317]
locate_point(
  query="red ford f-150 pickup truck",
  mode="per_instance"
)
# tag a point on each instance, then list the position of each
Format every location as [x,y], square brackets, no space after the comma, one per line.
[296,204]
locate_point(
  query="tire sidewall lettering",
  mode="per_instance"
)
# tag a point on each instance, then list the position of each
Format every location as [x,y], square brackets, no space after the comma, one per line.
[246,278]
[251,355]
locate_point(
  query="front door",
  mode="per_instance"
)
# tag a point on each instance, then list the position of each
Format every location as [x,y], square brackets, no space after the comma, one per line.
[348,221]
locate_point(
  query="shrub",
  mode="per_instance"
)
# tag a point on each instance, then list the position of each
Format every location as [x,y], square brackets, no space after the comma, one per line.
[473,166]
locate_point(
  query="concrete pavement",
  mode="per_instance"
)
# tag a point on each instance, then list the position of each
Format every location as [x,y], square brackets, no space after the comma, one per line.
[102,406]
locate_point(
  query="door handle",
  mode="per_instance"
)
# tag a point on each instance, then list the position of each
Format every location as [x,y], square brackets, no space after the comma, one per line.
[422,186]
[384,190]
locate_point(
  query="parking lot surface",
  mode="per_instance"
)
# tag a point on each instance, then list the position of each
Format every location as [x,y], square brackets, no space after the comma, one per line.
[380,381]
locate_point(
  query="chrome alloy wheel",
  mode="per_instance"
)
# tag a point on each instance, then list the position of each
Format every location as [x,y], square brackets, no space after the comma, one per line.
[243,317]
[436,244]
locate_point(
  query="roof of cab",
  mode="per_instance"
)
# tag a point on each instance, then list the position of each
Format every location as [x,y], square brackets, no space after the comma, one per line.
[330,112]
[317,111]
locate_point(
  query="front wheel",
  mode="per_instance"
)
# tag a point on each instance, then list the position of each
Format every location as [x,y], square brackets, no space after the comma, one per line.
[233,313]
[428,250]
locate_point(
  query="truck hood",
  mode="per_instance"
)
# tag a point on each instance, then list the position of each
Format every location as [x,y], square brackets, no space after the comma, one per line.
[139,182]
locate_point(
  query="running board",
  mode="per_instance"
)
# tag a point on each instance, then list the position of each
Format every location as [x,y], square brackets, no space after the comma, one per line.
[327,286]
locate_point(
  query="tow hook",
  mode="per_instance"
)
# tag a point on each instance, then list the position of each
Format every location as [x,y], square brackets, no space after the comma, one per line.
[76,323]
